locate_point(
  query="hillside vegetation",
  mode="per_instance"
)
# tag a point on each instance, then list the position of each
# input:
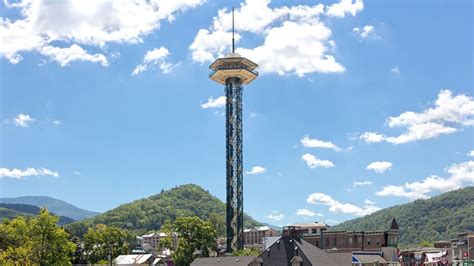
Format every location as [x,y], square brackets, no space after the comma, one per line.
[150,213]
[12,210]
[56,206]
[438,218]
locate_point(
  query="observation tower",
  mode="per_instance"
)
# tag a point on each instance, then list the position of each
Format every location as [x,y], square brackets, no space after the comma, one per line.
[233,71]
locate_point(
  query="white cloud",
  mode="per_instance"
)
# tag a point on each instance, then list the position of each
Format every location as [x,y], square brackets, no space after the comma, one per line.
[345,6]
[366,32]
[395,70]
[256,170]
[461,174]
[369,202]
[471,153]
[379,167]
[40,24]
[315,143]
[277,216]
[23,120]
[449,113]
[153,58]
[20,174]
[295,40]
[308,213]
[314,162]
[338,207]
[361,183]
[214,103]
[77,173]
[74,53]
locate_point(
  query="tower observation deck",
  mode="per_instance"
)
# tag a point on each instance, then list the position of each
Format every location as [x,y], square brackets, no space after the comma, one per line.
[233,70]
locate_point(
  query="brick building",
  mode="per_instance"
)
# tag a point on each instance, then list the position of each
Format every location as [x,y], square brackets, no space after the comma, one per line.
[347,241]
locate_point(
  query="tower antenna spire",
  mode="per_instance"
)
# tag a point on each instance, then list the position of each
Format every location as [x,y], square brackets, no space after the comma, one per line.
[233,40]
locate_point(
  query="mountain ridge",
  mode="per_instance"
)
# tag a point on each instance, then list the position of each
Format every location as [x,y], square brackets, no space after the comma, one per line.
[57,206]
[438,218]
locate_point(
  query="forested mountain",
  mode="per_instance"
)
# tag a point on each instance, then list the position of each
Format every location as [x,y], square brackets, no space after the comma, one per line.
[56,206]
[438,218]
[150,213]
[13,210]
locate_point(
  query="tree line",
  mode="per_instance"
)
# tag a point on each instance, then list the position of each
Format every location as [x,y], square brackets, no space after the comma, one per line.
[40,240]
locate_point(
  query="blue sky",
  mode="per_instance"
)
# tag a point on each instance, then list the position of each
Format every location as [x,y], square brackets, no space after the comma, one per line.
[359,105]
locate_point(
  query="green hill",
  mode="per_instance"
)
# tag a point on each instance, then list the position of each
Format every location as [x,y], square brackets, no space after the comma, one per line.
[150,213]
[440,217]
[13,210]
[56,206]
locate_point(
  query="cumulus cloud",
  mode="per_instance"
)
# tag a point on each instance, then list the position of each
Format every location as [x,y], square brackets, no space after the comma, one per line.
[306,212]
[366,32]
[369,202]
[338,207]
[314,162]
[41,25]
[275,215]
[361,183]
[395,70]
[379,167]
[461,174]
[345,6]
[74,53]
[256,170]
[214,103]
[316,143]
[23,120]
[449,114]
[20,174]
[155,57]
[471,153]
[295,39]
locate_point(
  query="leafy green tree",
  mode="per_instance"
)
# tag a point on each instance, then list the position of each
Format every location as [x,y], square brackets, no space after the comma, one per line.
[101,241]
[36,241]
[426,244]
[247,252]
[194,235]
[15,242]
[218,221]
[167,241]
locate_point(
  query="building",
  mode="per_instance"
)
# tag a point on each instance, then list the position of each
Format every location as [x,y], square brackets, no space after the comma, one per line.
[229,261]
[291,250]
[348,241]
[254,237]
[233,71]
[311,228]
[149,243]
[463,247]
[148,259]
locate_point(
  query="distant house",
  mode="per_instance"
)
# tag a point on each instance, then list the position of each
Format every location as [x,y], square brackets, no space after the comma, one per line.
[144,259]
[228,261]
[254,237]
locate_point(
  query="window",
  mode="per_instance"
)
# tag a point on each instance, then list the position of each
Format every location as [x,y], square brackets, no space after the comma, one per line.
[334,242]
[317,243]
[377,241]
[350,240]
[368,241]
[327,242]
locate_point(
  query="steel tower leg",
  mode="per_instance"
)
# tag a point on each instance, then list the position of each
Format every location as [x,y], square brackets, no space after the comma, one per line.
[234,174]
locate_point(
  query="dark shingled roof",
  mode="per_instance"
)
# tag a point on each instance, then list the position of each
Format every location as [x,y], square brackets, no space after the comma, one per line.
[394,224]
[221,261]
[287,247]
